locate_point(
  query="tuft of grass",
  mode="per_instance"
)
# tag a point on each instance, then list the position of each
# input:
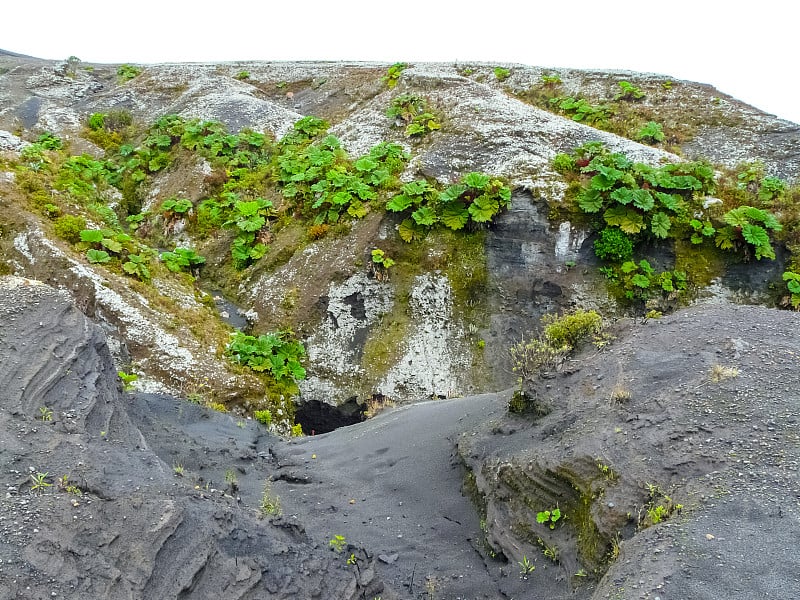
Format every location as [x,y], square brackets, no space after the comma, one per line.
[721,373]
[270,502]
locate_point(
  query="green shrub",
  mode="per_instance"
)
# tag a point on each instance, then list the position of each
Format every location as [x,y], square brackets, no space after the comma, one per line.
[126,72]
[242,75]
[412,111]
[746,231]
[628,91]
[564,163]
[476,199]
[263,416]
[501,74]
[69,227]
[650,133]
[581,110]
[277,353]
[792,280]
[182,259]
[393,74]
[570,330]
[96,121]
[613,245]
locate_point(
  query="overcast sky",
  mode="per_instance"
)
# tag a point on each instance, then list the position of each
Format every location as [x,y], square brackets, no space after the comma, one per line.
[749,50]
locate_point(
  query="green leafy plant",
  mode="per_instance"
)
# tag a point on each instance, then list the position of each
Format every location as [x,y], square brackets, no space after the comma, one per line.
[628,91]
[659,507]
[97,256]
[771,188]
[231,479]
[242,75]
[178,469]
[549,517]
[276,353]
[792,280]
[263,416]
[127,72]
[39,482]
[381,264]
[137,266]
[551,79]
[701,230]
[747,232]
[579,109]
[526,567]
[650,133]
[45,413]
[475,200]
[569,330]
[65,485]
[182,259]
[501,74]
[128,380]
[297,430]
[412,112]
[393,74]
[337,543]
[270,502]
[613,245]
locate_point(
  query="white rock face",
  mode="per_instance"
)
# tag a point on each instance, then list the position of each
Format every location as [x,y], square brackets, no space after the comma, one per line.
[434,355]
[353,306]
[8,141]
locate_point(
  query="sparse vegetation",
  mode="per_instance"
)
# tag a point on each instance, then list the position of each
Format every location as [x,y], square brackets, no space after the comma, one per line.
[337,543]
[526,567]
[128,379]
[549,517]
[127,72]
[393,74]
[501,73]
[270,503]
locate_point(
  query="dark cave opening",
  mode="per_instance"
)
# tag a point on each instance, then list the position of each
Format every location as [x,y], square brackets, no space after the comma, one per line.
[317,417]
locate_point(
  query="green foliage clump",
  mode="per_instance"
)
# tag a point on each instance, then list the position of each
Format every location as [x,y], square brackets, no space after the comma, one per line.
[650,133]
[69,227]
[412,111]
[127,72]
[182,259]
[381,264]
[640,281]
[501,74]
[249,218]
[581,110]
[319,179]
[263,416]
[792,280]
[613,245]
[571,329]
[278,354]
[393,74]
[747,232]
[639,199]
[242,75]
[561,335]
[771,188]
[628,91]
[563,163]
[477,199]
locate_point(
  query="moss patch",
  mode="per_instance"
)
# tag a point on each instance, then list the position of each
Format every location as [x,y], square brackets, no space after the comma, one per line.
[702,263]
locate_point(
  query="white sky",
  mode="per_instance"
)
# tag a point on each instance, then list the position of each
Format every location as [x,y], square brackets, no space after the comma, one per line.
[747,49]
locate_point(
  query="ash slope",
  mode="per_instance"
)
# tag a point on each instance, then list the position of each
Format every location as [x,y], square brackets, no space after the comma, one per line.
[137,531]
[728,451]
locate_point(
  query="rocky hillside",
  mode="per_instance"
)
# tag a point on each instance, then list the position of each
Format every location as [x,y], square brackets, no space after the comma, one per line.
[259,253]
[166,155]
